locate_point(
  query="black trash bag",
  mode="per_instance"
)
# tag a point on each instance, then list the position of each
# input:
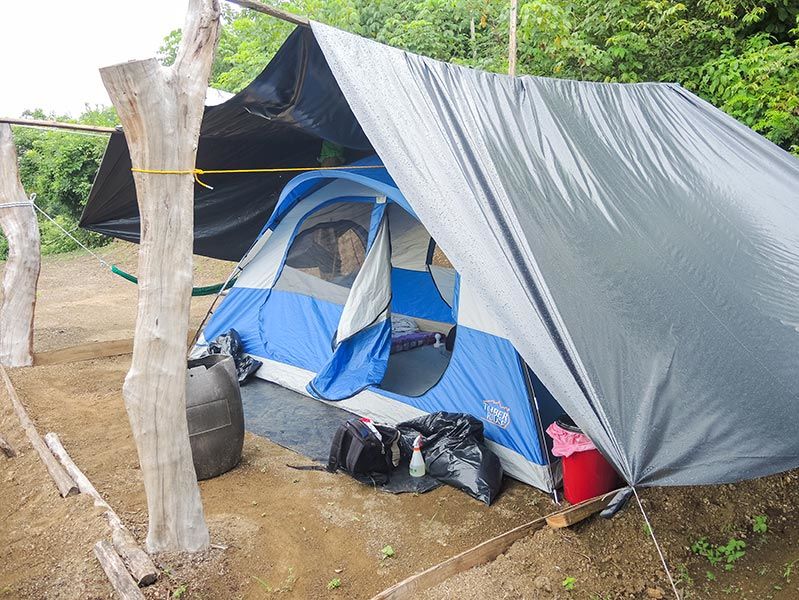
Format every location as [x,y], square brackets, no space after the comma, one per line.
[230,343]
[455,452]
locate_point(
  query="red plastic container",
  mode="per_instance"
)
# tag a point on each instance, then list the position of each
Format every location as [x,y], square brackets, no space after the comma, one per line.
[586,475]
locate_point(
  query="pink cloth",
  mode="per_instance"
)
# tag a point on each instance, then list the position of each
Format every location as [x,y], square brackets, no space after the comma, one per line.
[566,443]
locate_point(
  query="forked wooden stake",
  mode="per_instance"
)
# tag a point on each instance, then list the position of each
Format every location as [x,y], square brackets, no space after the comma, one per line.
[161,109]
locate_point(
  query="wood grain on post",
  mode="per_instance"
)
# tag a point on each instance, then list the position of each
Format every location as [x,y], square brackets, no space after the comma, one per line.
[161,109]
[21,275]
[66,486]
[124,586]
[137,560]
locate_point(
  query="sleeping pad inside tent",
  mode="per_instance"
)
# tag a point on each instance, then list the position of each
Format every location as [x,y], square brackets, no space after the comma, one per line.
[346,297]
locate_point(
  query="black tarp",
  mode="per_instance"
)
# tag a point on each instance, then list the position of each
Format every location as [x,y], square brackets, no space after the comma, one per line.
[279,120]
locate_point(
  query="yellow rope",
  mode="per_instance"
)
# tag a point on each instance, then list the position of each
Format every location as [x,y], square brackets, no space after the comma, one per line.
[198,172]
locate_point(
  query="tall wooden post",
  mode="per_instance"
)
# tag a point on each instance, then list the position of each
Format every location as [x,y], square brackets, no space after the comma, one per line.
[21,275]
[514,6]
[161,109]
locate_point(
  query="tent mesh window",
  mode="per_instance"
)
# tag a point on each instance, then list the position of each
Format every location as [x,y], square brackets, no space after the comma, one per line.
[327,252]
[332,251]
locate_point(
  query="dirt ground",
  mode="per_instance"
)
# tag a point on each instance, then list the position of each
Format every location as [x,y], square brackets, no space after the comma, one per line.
[279,532]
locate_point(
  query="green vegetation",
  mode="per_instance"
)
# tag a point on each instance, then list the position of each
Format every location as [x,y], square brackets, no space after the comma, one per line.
[740,55]
[569,583]
[59,167]
[760,524]
[387,552]
[334,584]
[788,570]
[725,555]
[286,586]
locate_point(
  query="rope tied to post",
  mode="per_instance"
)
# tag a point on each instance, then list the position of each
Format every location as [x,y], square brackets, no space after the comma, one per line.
[197,172]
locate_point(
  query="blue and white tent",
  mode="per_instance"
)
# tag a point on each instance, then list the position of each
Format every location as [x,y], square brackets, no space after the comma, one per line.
[344,264]
[637,247]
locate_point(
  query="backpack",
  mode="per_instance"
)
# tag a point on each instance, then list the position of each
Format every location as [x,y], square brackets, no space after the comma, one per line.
[367,451]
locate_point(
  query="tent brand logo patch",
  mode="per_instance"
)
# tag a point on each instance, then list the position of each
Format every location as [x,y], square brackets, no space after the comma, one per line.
[497,413]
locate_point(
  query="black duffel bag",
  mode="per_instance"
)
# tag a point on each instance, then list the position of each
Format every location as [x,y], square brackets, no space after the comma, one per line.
[364,453]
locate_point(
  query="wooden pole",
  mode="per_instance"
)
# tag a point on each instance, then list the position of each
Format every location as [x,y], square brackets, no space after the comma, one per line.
[414,585]
[272,12]
[21,275]
[66,486]
[124,586]
[473,38]
[161,109]
[82,352]
[514,6]
[57,125]
[138,562]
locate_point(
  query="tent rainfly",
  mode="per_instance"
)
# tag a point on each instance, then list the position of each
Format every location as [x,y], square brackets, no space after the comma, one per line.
[638,248]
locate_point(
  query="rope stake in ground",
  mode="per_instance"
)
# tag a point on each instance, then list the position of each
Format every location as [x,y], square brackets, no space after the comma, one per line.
[197,172]
[657,545]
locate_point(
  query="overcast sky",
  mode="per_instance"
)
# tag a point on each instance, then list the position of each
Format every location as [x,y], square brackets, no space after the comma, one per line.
[50,50]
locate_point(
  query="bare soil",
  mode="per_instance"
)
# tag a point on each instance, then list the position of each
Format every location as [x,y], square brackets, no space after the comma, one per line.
[279,532]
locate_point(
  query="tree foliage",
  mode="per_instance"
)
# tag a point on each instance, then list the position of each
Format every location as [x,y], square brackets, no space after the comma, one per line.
[59,167]
[740,55]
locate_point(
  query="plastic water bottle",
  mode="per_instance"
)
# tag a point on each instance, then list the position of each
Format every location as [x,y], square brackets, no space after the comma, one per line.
[417,461]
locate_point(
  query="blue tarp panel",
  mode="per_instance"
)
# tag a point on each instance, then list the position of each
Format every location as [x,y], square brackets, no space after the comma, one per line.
[356,364]
[415,295]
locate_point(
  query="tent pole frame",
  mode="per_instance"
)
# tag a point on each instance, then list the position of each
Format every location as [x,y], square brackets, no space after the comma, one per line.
[533,399]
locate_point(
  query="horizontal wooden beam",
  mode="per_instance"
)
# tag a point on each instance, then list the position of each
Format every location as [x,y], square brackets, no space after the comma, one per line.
[118,576]
[272,12]
[139,564]
[580,511]
[57,125]
[83,352]
[66,486]
[481,554]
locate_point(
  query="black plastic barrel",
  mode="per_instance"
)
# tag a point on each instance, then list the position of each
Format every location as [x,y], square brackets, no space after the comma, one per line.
[214,414]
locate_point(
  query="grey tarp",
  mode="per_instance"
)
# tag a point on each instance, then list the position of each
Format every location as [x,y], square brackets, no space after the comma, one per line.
[641,247]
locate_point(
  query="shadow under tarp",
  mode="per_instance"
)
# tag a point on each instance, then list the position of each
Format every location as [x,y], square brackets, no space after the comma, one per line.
[307,426]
